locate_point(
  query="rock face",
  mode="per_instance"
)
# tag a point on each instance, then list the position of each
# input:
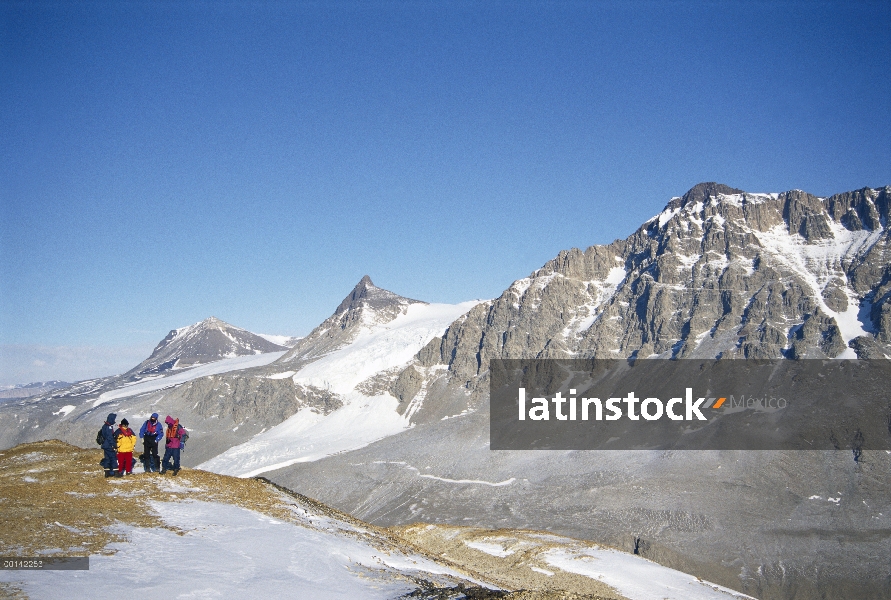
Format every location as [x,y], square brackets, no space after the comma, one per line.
[204,342]
[718,273]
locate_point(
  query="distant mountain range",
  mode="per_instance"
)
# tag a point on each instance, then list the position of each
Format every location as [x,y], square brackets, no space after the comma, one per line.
[382,410]
[26,390]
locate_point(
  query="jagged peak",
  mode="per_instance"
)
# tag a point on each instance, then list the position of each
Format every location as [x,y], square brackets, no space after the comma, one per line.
[366,290]
[702,192]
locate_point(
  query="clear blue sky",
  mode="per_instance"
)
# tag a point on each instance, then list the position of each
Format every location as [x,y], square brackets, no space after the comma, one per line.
[163,162]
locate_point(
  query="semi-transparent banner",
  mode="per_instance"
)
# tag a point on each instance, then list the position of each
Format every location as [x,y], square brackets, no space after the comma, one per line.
[691,404]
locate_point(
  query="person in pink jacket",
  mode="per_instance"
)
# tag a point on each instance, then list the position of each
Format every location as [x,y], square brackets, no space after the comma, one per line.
[175,438]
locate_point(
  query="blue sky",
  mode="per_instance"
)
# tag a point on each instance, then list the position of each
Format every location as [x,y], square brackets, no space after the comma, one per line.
[163,162]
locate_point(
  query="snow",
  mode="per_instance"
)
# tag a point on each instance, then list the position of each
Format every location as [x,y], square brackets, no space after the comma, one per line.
[607,289]
[521,285]
[489,548]
[215,368]
[284,375]
[382,347]
[470,481]
[281,340]
[226,551]
[64,410]
[636,577]
[308,435]
[819,263]
[666,215]
[615,276]
[687,262]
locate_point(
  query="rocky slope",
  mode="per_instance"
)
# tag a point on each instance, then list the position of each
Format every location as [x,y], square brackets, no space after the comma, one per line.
[719,272]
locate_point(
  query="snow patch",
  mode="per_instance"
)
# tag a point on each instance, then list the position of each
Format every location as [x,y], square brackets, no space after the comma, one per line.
[636,577]
[284,375]
[489,548]
[64,410]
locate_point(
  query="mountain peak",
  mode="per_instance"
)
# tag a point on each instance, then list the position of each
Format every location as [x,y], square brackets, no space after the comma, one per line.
[365,306]
[701,192]
[366,292]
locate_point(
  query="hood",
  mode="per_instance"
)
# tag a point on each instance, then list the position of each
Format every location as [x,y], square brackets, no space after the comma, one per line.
[112,417]
[154,416]
[169,420]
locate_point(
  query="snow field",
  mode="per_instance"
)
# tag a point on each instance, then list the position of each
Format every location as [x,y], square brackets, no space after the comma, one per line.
[308,435]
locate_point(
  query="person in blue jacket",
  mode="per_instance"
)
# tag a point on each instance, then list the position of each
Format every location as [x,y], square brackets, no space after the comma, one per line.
[151,432]
[110,446]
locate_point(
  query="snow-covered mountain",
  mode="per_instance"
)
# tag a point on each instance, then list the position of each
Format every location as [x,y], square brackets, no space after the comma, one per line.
[363,309]
[362,374]
[208,341]
[209,348]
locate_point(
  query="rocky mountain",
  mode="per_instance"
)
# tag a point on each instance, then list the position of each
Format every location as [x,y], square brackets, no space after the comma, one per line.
[718,273]
[209,348]
[208,341]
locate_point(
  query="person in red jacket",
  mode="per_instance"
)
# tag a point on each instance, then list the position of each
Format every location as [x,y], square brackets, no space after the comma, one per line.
[175,438]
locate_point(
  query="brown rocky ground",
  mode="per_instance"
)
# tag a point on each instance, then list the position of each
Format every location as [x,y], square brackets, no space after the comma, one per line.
[522,566]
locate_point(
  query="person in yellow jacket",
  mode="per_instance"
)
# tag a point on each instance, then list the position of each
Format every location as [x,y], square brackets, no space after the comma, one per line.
[126,441]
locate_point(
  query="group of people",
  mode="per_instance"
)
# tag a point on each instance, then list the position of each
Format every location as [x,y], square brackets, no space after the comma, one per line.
[119,444]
